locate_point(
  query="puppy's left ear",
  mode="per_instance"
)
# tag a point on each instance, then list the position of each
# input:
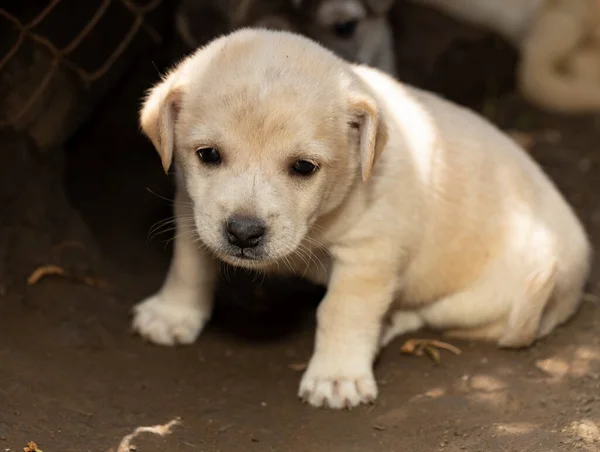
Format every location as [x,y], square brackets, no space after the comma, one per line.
[372,131]
[158,115]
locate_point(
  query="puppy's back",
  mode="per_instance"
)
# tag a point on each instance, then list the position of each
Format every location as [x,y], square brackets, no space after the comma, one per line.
[477,179]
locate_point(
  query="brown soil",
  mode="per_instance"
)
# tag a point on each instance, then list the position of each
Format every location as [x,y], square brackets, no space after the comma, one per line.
[72,377]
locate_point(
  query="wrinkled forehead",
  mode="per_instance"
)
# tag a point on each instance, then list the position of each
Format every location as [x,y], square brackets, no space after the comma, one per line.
[260,126]
[265,116]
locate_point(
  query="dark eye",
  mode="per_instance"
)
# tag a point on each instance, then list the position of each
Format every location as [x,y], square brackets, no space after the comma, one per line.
[345,29]
[304,167]
[210,156]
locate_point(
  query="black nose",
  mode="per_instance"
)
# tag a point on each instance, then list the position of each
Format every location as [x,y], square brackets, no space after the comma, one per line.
[245,232]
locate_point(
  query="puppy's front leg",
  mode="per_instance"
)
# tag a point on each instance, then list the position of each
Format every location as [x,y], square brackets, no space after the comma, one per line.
[181,308]
[349,320]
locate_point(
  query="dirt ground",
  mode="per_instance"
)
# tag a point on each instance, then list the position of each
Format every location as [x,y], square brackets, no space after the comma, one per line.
[73,378]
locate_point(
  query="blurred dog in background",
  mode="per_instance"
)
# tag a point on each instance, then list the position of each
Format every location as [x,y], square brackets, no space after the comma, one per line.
[559,43]
[357,30]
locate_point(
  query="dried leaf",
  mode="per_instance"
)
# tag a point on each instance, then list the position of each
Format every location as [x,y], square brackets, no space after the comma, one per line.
[419,351]
[420,347]
[54,270]
[445,346]
[433,353]
[32,447]
[43,271]
[411,344]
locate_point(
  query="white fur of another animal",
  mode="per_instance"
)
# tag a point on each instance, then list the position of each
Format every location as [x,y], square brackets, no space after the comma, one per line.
[371,43]
[559,42]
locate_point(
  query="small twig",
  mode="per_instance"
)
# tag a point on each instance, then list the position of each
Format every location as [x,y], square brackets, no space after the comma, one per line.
[43,271]
[54,270]
[161,430]
[410,345]
[419,347]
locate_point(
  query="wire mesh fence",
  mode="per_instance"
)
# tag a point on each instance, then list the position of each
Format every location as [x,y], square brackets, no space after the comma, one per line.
[57,57]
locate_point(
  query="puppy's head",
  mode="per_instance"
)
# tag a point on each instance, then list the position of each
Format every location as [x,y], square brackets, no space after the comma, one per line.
[270,131]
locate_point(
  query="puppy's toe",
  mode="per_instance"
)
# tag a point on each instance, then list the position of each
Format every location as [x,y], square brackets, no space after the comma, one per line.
[165,323]
[338,393]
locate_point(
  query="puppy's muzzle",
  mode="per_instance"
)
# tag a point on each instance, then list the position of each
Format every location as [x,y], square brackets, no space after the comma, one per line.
[245,233]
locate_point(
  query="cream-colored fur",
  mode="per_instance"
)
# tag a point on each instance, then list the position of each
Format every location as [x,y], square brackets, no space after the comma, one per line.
[559,42]
[421,213]
[370,42]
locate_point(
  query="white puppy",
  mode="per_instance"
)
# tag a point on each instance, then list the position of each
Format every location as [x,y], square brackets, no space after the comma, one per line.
[559,42]
[405,205]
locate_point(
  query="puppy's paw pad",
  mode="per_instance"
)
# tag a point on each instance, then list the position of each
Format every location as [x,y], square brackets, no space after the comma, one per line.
[338,393]
[164,323]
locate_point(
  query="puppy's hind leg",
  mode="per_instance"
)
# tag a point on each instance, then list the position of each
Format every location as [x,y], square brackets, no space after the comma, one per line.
[560,308]
[504,307]
[476,313]
[479,312]
[526,313]
[567,296]
[399,323]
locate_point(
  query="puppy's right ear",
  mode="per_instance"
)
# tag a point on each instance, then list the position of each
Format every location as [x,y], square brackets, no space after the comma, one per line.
[158,116]
[372,135]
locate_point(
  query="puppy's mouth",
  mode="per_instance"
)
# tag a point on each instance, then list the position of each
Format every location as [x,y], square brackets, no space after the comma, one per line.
[244,257]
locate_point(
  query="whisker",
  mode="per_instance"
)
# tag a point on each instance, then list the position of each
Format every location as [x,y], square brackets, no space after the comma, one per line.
[159,226]
[173,202]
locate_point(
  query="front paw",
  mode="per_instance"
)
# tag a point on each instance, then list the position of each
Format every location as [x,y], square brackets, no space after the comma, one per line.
[166,323]
[325,386]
